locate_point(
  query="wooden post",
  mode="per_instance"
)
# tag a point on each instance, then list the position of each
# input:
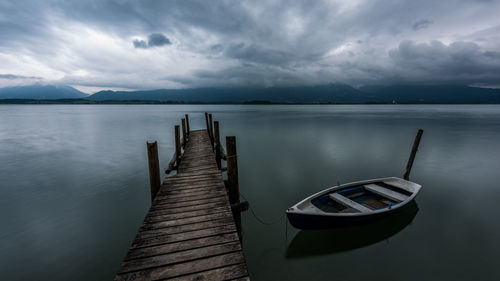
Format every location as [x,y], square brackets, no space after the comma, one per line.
[206,121]
[187,124]
[232,181]
[414,150]
[211,129]
[184,138]
[218,156]
[177,144]
[154,168]
[232,170]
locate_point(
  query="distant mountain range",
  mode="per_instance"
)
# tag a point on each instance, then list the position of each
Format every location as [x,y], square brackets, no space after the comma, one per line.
[332,93]
[432,94]
[41,92]
[313,94]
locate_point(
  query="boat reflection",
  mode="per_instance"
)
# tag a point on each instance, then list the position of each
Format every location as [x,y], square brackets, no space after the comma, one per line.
[319,242]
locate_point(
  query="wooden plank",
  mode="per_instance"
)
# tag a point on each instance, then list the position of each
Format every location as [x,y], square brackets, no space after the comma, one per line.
[225,273]
[174,195]
[191,174]
[404,185]
[152,219]
[184,268]
[158,240]
[387,193]
[184,185]
[167,211]
[196,177]
[170,205]
[196,184]
[193,188]
[192,196]
[144,234]
[185,221]
[181,246]
[349,203]
[177,257]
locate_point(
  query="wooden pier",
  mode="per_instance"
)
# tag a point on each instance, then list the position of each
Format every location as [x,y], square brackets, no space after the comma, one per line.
[190,232]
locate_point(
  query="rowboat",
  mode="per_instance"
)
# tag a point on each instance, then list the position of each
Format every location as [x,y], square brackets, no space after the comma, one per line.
[353,203]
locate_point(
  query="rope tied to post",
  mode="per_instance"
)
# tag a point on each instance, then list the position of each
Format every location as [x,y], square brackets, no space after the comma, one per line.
[231,156]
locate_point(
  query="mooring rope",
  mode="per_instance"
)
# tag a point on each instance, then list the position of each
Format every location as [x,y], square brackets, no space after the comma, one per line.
[269,223]
[257,217]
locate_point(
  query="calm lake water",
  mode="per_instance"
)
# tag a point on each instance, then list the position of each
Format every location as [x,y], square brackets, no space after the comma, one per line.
[75,187]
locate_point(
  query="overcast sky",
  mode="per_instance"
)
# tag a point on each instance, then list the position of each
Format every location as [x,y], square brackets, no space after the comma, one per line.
[120,44]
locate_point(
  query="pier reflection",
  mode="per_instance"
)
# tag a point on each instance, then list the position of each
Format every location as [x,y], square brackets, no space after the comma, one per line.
[320,242]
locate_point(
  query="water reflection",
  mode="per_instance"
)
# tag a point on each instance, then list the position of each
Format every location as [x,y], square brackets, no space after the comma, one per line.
[320,242]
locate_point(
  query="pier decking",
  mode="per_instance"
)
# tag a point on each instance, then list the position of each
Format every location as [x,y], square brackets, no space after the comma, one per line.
[190,232]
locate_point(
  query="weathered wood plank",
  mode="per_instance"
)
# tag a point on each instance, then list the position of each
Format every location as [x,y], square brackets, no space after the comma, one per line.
[176,257]
[181,246]
[171,205]
[224,273]
[185,221]
[152,219]
[186,209]
[190,198]
[174,195]
[169,238]
[195,184]
[184,228]
[180,269]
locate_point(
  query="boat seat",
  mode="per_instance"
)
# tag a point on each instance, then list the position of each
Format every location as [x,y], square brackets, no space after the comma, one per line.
[400,184]
[385,192]
[349,203]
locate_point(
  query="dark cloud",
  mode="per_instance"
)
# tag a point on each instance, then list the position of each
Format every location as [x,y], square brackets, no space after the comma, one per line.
[154,40]
[13,77]
[421,24]
[258,54]
[141,44]
[438,62]
[157,40]
[217,48]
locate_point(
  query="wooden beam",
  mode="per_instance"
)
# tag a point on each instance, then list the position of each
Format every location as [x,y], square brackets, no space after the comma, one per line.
[206,122]
[414,150]
[154,168]
[218,156]
[232,170]
[187,124]
[211,129]
[184,135]
[177,144]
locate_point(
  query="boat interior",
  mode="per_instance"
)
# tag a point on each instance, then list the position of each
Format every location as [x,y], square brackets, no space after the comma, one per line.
[361,198]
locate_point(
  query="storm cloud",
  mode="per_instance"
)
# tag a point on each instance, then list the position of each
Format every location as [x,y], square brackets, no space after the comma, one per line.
[181,44]
[421,24]
[154,40]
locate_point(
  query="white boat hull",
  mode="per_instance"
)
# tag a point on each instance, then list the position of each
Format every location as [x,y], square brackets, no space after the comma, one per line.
[309,214]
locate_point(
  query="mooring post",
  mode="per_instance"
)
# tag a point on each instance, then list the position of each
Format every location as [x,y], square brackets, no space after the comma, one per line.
[414,150]
[232,182]
[187,125]
[211,129]
[154,168]
[177,144]
[232,170]
[206,121]
[218,156]
[184,138]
